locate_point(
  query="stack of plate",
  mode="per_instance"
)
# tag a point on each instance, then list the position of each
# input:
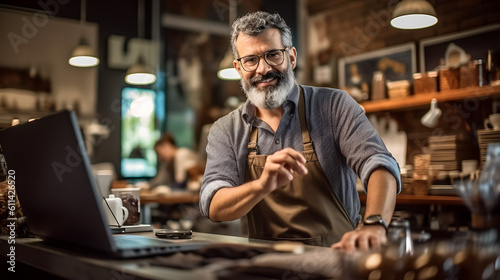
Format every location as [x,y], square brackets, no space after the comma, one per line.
[484,138]
[449,150]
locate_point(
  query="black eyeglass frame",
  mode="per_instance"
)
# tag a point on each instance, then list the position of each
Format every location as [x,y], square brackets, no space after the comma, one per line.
[263,56]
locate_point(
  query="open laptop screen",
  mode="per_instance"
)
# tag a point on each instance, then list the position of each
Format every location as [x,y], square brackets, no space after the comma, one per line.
[53,181]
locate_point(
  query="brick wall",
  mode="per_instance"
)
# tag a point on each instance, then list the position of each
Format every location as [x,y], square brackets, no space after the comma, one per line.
[368,21]
[358,26]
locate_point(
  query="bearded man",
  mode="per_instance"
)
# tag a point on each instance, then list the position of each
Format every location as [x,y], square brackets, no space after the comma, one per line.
[288,159]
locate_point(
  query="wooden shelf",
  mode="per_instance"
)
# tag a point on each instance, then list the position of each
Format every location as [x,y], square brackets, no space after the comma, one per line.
[425,99]
[412,199]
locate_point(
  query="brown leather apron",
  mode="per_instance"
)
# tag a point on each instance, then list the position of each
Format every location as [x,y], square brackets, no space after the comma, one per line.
[306,210]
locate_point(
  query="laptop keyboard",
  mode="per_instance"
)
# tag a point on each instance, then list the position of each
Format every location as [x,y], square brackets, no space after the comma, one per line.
[136,241]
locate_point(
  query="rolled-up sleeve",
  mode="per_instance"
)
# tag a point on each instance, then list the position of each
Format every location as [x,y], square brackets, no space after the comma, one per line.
[221,169]
[376,161]
[207,193]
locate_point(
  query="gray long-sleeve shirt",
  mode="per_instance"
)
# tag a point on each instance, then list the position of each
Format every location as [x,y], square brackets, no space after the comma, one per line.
[345,142]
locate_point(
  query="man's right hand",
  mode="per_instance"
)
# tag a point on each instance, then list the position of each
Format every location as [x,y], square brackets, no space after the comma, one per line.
[234,202]
[280,168]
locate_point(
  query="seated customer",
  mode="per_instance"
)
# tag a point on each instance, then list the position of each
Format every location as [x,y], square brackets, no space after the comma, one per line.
[179,168]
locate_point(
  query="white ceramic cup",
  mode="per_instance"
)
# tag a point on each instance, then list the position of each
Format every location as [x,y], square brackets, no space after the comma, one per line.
[104,178]
[120,213]
[493,121]
[431,118]
[131,199]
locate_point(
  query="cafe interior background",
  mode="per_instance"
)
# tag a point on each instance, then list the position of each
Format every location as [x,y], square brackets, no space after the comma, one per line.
[347,44]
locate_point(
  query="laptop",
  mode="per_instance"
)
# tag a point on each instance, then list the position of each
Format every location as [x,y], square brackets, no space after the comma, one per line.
[58,192]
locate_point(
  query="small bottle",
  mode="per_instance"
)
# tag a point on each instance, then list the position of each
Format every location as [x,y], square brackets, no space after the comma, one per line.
[481,73]
[378,85]
[491,66]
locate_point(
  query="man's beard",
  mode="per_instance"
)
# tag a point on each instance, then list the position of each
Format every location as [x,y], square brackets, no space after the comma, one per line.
[271,97]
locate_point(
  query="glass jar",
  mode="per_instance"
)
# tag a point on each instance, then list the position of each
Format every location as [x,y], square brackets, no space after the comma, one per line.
[489,178]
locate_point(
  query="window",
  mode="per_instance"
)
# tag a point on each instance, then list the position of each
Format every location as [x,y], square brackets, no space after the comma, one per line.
[140,131]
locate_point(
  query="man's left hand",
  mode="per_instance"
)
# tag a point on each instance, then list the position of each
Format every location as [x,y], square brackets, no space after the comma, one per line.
[362,238]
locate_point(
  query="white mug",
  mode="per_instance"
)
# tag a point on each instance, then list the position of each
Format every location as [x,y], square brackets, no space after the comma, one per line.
[120,213]
[104,178]
[431,118]
[493,121]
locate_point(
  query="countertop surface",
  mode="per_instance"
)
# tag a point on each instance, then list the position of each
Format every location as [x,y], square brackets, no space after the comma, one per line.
[76,264]
[230,257]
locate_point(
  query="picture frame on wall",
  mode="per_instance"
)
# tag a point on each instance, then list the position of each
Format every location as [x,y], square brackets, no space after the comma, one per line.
[397,63]
[454,49]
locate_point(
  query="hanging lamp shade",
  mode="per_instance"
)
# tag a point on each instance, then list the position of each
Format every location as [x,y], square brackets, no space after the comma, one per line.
[413,14]
[83,55]
[140,74]
[226,67]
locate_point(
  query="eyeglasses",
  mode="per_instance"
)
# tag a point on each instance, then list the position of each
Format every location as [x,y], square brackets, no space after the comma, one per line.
[272,57]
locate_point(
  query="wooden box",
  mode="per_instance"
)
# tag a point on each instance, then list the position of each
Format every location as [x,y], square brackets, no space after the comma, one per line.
[398,88]
[449,78]
[472,74]
[425,82]
[421,186]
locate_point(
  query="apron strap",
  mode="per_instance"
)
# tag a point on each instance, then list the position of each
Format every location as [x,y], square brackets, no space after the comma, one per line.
[306,137]
[252,144]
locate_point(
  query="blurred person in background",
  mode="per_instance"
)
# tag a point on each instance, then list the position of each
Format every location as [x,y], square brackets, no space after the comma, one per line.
[179,168]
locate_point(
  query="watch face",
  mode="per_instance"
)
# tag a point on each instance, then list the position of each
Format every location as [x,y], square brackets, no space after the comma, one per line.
[373,219]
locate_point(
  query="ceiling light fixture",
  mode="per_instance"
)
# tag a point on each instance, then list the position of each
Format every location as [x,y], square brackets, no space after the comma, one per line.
[226,66]
[413,14]
[83,55]
[140,73]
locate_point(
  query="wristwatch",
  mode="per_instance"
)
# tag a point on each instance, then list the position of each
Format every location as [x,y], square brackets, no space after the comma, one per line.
[375,220]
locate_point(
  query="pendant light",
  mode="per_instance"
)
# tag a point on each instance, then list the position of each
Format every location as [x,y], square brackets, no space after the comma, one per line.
[226,66]
[83,55]
[413,14]
[140,73]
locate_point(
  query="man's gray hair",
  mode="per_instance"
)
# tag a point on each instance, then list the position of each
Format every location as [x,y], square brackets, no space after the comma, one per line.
[253,24]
